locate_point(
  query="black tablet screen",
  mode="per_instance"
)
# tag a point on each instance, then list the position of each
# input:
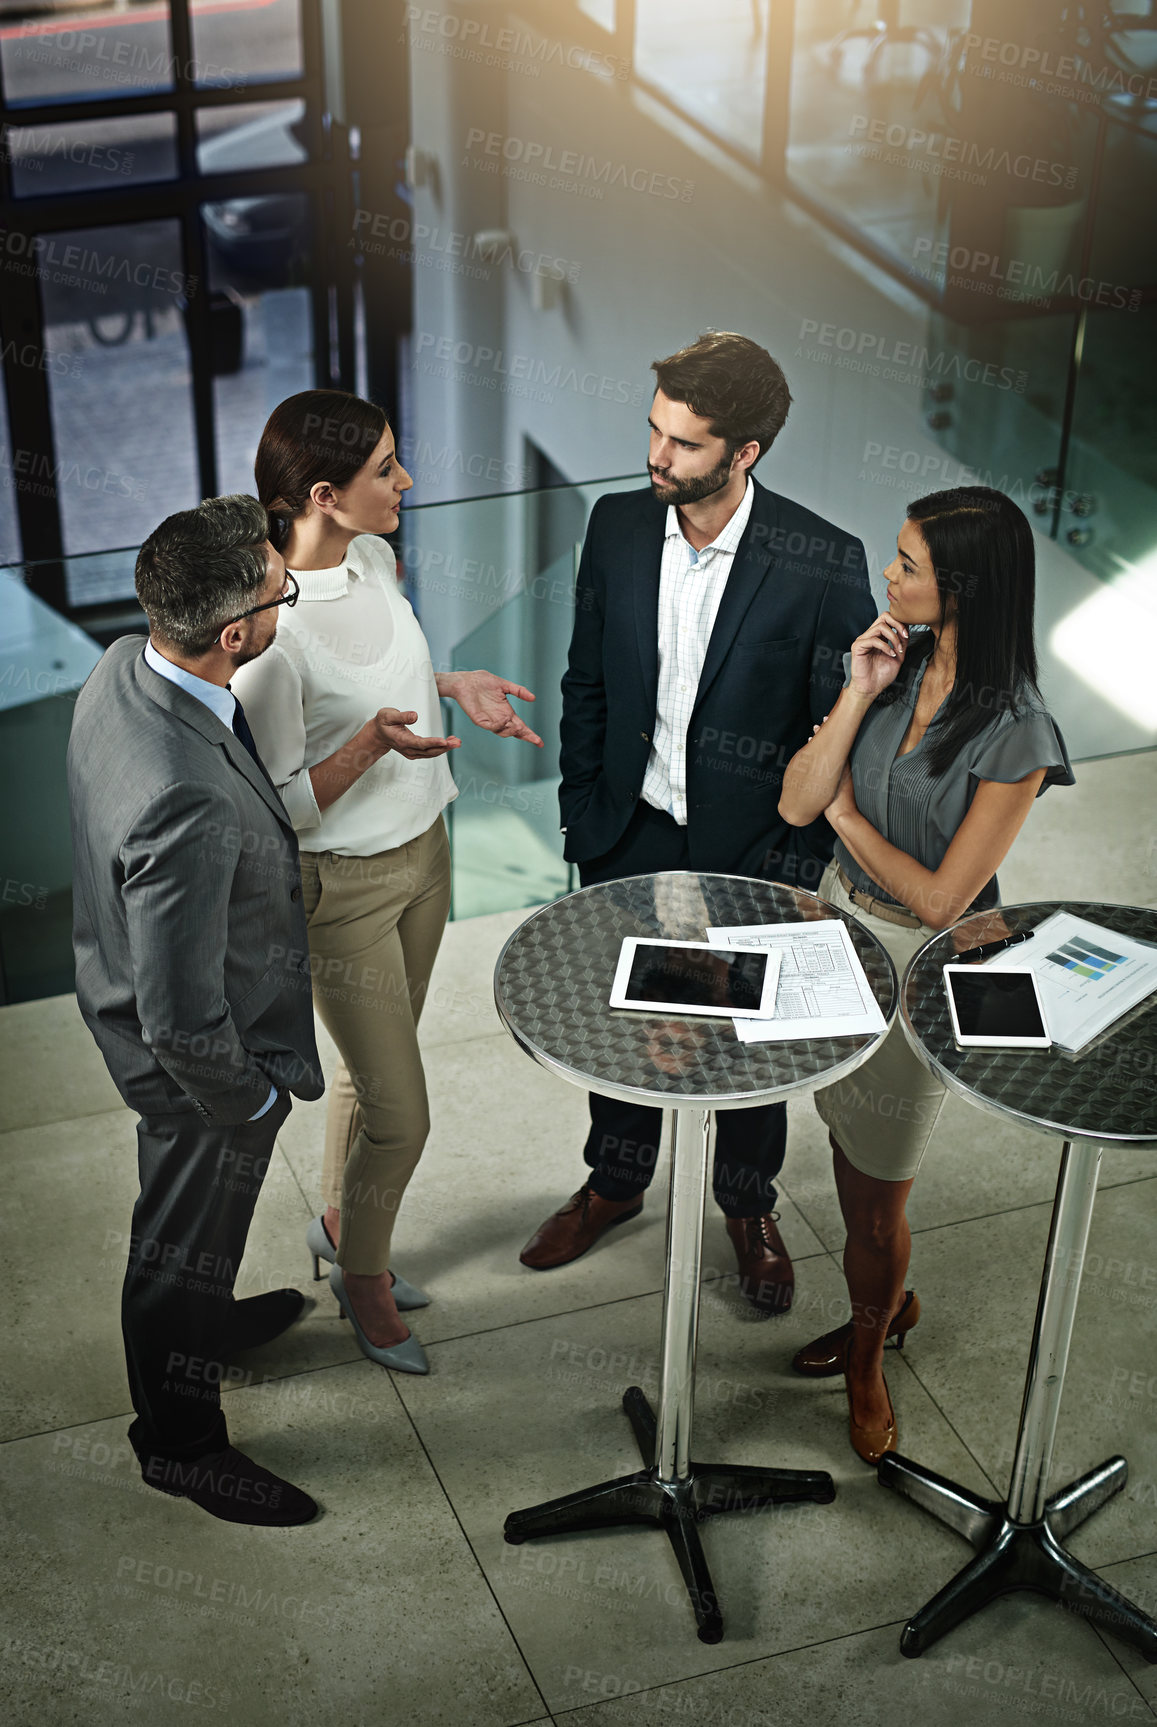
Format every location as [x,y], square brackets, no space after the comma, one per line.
[995,1004]
[697,977]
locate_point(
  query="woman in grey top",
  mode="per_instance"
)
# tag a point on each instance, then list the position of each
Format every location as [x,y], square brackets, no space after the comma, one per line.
[926,768]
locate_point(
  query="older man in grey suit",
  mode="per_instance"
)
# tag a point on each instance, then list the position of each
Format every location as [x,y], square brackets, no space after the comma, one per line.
[192,974]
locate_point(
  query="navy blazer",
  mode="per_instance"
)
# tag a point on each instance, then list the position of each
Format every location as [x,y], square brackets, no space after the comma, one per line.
[795,599]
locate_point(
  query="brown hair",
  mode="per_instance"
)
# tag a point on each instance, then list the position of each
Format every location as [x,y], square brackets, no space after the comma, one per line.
[313,436]
[731,381]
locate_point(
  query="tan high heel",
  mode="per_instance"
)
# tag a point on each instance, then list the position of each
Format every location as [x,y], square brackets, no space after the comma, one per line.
[824,1357]
[870,1443]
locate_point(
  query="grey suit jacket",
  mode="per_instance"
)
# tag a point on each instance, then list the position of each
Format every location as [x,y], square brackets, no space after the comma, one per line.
[192,958]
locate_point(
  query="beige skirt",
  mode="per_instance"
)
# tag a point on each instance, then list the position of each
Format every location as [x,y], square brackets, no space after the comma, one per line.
[882,1115]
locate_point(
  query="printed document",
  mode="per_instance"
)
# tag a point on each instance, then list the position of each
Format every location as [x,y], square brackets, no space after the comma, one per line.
[823,989]
[1087,976]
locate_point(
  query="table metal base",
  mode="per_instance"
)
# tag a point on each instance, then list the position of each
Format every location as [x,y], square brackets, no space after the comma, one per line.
[1018,1541]
[672,1492]
[1014,1556]
[677,1509]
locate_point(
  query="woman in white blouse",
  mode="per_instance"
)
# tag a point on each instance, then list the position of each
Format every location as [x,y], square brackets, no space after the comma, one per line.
[365,786]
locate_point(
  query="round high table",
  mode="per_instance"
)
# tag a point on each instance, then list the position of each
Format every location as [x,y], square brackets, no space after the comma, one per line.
[1096,1101]
[551,986]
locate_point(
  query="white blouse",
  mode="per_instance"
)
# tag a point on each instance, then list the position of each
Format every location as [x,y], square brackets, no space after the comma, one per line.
[350,646]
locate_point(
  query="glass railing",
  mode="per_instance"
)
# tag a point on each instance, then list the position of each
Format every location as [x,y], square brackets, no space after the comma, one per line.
[492,581]
[44,659]
[504,824]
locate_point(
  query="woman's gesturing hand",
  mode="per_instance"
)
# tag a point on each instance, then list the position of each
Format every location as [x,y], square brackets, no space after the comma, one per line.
[392,728]
[877,655]
[482,696]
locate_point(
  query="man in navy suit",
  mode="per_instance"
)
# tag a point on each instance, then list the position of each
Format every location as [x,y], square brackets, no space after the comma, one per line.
[711,620]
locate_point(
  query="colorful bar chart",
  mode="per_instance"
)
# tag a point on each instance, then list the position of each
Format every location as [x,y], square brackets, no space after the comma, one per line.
[1086,960]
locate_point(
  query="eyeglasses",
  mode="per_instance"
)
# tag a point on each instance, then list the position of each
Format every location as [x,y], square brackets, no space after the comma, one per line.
[288,598]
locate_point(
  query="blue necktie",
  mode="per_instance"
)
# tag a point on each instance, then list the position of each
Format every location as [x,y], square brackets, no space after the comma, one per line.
[245,736]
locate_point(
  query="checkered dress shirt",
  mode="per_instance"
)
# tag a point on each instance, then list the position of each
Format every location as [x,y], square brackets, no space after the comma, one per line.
[691,586]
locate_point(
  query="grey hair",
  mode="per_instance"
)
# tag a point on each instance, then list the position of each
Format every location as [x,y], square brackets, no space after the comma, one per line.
[202,567]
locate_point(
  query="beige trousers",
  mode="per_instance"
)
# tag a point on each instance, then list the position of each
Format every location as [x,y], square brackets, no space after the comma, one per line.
[374,928]
[883,1113]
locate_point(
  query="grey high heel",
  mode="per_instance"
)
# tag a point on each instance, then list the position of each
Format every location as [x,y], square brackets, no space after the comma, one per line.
[320,1246]
[406,1296]
[407,1357]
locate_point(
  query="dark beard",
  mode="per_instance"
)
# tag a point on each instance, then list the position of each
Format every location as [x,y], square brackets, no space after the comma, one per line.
[248,655]
[680,492]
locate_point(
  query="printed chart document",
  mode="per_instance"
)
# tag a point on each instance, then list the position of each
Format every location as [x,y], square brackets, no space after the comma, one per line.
[823,990]
[1087,976]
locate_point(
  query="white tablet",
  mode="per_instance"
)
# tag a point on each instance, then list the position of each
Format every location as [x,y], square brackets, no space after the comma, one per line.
[995,1009]
[695,977]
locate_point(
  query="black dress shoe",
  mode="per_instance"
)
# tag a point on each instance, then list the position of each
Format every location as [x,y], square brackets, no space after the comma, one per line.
[229,1485]
[260,1318]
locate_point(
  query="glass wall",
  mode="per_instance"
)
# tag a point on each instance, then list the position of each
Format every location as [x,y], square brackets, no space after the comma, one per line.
[161,184]
[100,51]
[43,662]
[717,75]
[120,381]
[859,85]
[492,581]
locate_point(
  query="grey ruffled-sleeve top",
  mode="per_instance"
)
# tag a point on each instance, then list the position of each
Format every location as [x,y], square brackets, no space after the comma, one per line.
[919,813]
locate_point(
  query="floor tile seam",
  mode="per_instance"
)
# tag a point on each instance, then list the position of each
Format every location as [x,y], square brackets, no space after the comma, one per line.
[735,1666]
[232,1391]
[310,1213]
[708,1672]
[482,1572]
[948,1421]
[475,1037]
[589,1307]
[1111,1648]
[1011,1210]
[63,1120]
[981,1216]
[456,1337]
[787,1194]
[985,1216]
[1127,1559]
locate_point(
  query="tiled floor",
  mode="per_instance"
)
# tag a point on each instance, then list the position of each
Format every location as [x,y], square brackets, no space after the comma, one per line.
[402,1605]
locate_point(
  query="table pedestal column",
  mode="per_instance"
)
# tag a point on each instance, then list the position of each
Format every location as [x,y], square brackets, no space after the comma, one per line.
[672,1492]
[1019,1542]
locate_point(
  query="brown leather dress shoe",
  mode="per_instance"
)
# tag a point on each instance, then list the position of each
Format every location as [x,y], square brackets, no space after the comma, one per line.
[568,1233]
[766,1276]
[823,1358]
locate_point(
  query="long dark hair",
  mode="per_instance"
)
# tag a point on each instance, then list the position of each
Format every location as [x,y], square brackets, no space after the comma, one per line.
[315,435]
[982,550]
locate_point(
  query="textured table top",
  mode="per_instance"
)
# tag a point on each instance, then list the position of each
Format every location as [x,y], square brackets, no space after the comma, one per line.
[1107,1092]
[553,980]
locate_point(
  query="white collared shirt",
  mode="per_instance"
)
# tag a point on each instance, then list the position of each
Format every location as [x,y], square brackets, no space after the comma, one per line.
[216,697]
[691,587]
[350,646]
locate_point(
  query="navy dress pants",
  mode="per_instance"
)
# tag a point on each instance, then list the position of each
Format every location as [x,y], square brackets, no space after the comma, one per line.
[623,1142]
[198,1188]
